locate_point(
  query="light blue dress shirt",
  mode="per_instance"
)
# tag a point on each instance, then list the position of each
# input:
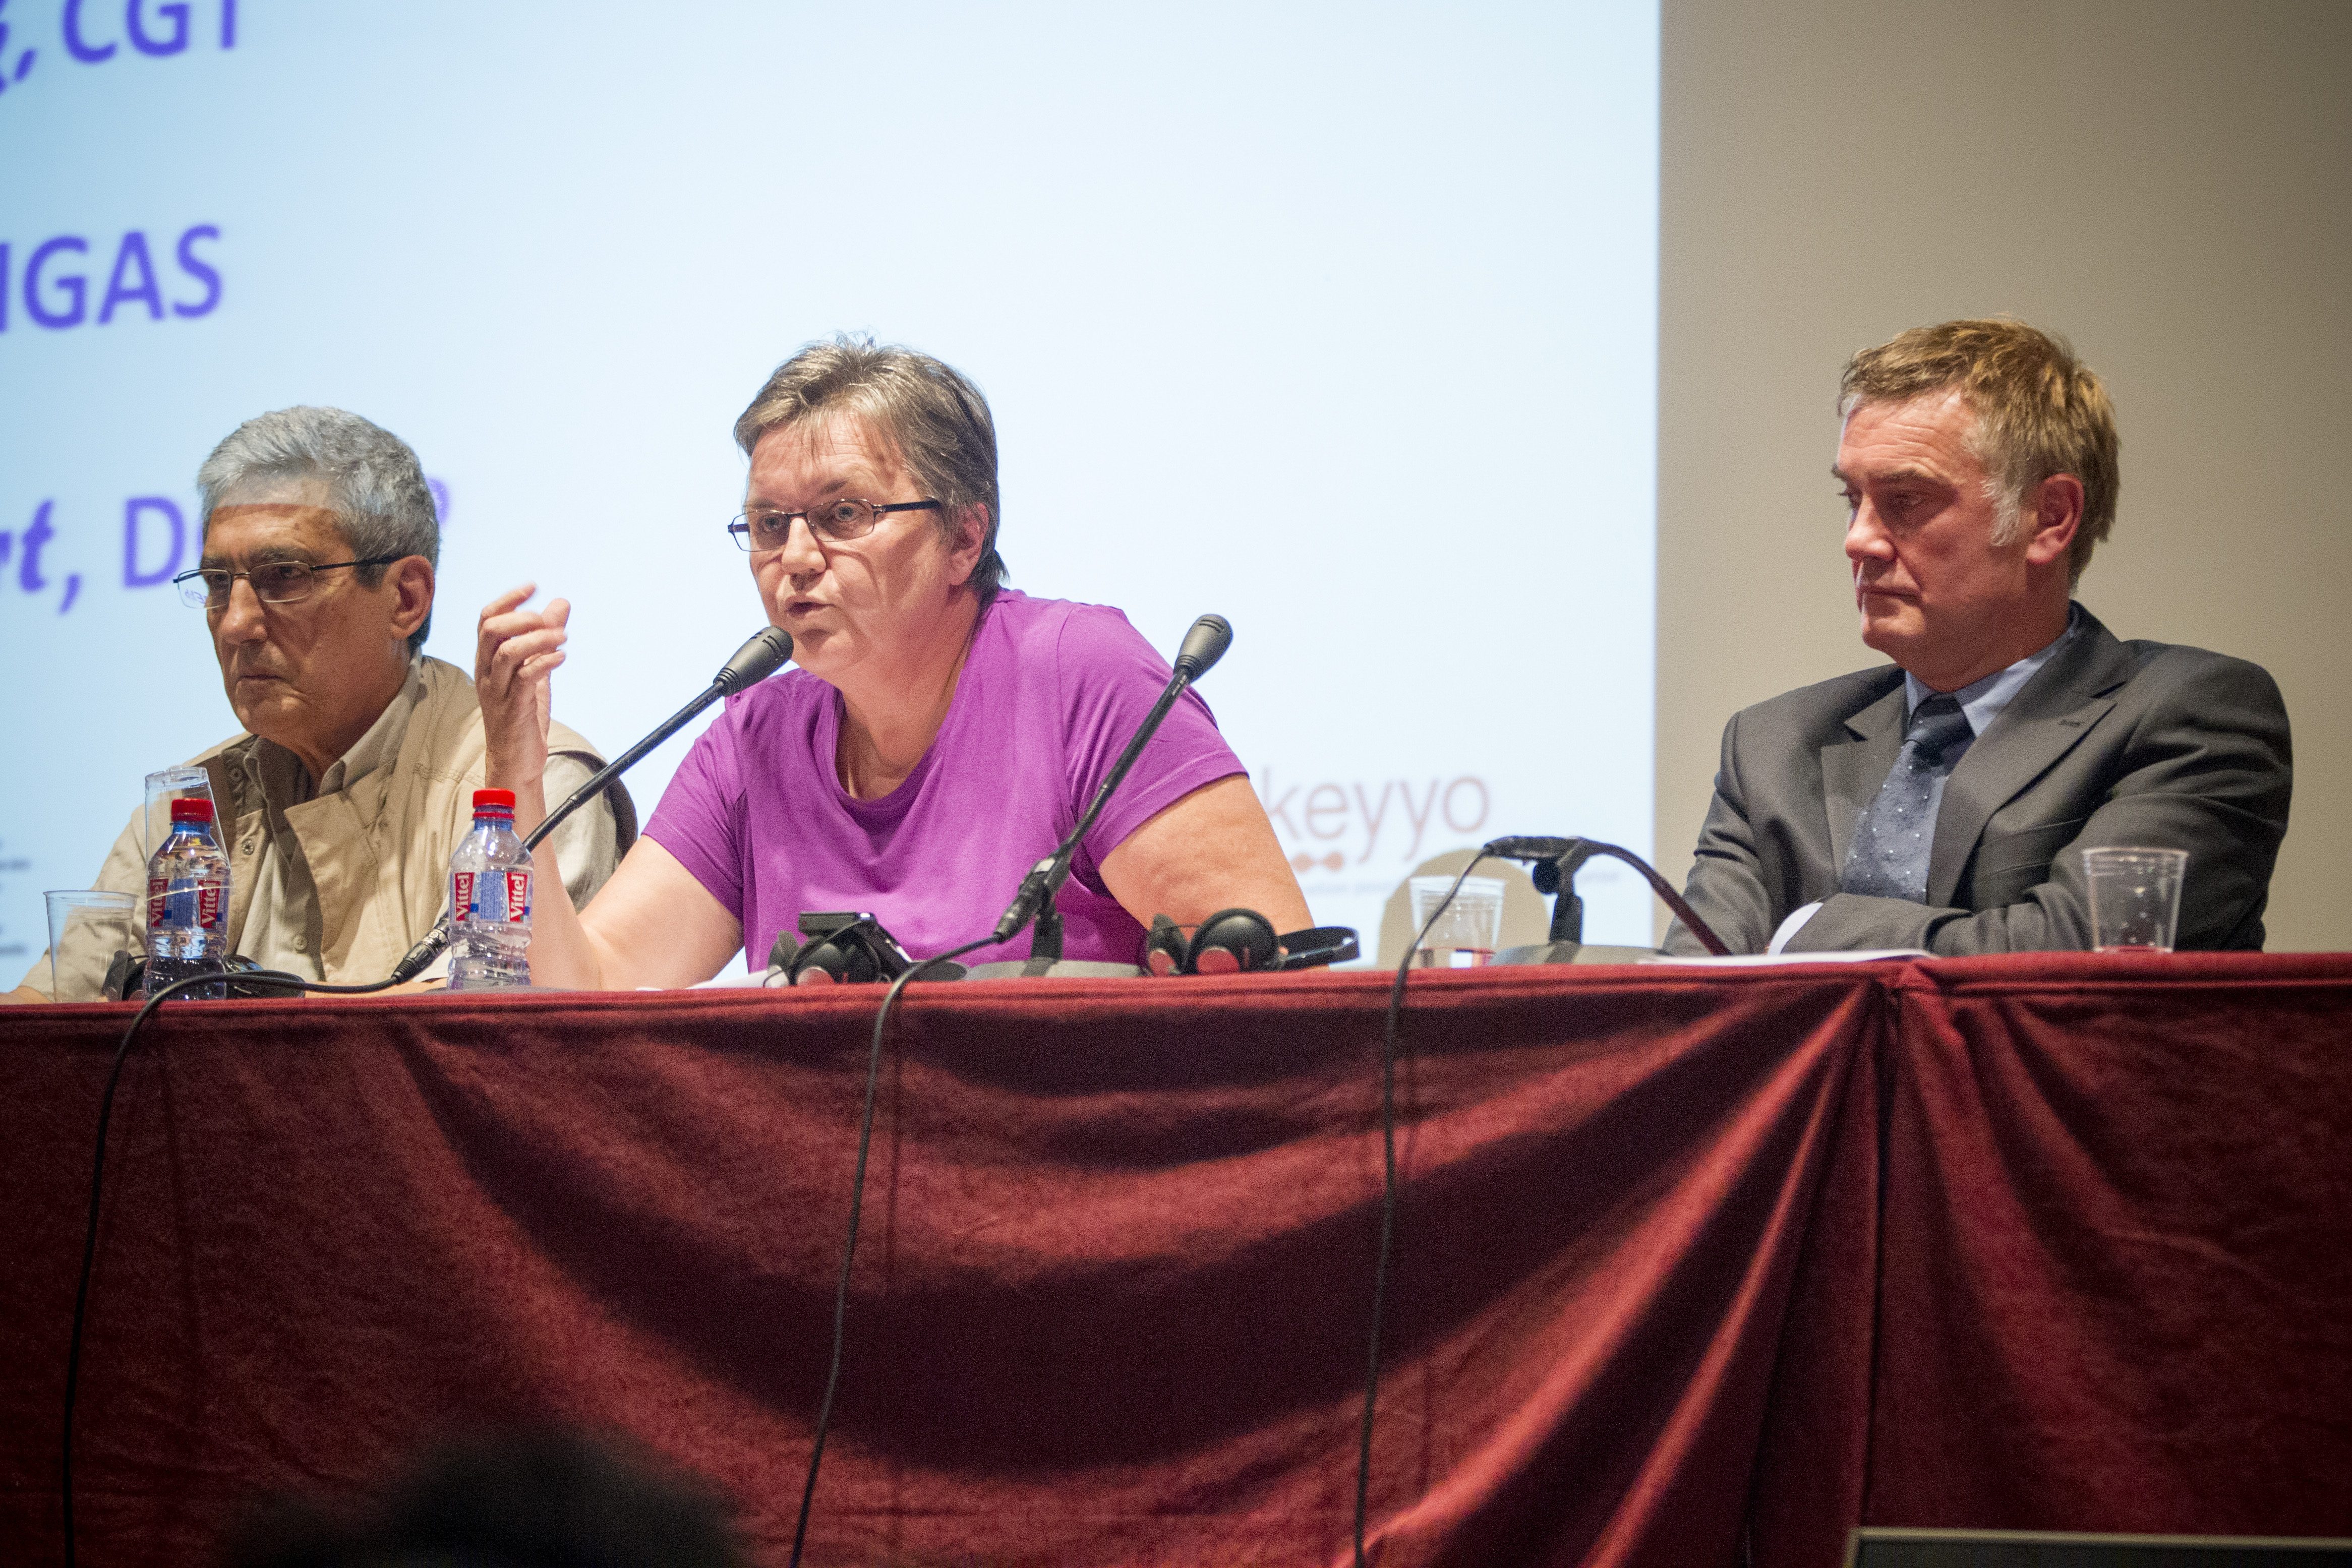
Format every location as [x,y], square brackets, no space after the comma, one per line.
[1981,701]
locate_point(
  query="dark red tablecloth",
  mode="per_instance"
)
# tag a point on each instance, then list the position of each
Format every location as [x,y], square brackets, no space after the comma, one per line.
[1691,1264]
[2116,1248]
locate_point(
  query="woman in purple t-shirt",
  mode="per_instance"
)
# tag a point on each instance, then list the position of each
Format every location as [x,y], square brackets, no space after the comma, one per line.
[938,738]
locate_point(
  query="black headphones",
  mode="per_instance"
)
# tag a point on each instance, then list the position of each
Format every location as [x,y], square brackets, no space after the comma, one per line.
[1226,943]
[838,959]
[845,948]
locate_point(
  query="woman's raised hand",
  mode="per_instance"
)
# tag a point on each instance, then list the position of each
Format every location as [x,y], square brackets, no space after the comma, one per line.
[516,650]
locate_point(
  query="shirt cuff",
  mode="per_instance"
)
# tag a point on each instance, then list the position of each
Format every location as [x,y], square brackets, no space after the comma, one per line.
[1790,927]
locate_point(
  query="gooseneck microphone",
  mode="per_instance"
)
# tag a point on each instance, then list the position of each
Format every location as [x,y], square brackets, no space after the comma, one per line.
[755,661]
[761,656]
[1204,646]
[1561,858]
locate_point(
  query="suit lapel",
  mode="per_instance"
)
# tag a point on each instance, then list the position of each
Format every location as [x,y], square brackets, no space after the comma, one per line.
[2043,722]
[1853,768]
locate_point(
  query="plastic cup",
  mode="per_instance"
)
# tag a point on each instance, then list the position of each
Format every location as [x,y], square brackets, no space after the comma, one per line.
[86,929]
[1466,932]
[164,786]
[2135,898]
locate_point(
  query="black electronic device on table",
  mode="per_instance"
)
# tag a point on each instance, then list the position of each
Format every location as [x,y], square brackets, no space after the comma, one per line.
[126,979]
[846,947]
[1879,1547]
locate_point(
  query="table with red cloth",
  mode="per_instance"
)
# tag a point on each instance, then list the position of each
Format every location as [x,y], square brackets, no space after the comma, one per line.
[1692,1266]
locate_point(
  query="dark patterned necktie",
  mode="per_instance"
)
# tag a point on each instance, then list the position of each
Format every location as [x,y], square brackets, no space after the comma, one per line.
[1891,845]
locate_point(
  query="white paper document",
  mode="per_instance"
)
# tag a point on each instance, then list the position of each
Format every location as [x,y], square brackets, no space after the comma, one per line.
[1745,960]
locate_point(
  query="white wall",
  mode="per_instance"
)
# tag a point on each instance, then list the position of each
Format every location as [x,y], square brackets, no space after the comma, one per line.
[2167,184]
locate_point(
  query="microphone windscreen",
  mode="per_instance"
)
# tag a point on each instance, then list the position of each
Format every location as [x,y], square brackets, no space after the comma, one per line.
[756,660]
[1204,644]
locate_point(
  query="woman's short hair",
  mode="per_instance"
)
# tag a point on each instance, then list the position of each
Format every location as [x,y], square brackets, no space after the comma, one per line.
[374,485]
[933,418]
[2039,410]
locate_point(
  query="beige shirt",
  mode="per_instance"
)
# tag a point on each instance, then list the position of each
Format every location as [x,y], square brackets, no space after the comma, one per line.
[282,924]
[269,804]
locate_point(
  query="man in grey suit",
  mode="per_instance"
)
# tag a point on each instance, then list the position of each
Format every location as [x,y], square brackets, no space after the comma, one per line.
[1943,801]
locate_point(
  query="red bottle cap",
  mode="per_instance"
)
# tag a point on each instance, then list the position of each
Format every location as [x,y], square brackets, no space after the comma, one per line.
[494,799]
[191,809]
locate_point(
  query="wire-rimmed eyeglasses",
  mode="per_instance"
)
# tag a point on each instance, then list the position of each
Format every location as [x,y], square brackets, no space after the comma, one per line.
[769,527]
[274,582]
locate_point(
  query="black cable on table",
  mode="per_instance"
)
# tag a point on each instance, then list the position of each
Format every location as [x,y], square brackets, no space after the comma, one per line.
[857,1208]
[272,977]
[1388,1201]
[849,1246]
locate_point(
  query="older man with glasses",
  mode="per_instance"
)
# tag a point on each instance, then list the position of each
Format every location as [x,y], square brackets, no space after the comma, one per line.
[353,780]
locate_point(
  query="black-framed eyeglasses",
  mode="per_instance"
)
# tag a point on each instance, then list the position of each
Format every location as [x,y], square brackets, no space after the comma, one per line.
[768,529]
[274,582]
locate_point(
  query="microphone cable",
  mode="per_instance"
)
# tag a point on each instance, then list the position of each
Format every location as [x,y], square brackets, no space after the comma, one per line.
[275,978]
[1204,646]
[1498,848]
[849,1245]
[760,656]
[419,956]
[1389,1199]
[280,980]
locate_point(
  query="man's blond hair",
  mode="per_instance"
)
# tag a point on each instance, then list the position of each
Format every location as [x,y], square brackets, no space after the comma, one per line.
[2039,410]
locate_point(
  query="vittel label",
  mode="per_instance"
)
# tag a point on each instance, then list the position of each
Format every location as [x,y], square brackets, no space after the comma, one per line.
[197,907]
[503,896]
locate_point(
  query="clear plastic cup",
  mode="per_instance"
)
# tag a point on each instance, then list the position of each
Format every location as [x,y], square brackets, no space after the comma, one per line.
[164,786]
[1465,934]
[86,929]
[2135,898]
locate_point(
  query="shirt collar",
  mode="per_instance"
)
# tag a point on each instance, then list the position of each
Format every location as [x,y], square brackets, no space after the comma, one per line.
[379,745]
[382,742]
[1983,700]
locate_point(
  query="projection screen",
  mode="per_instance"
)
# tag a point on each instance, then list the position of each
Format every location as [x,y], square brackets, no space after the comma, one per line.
[1339,320]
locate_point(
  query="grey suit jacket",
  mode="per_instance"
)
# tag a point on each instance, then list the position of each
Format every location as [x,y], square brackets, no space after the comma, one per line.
[2109,743]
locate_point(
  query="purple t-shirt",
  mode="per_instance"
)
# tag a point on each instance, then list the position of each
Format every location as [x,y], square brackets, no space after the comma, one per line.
[1049,695]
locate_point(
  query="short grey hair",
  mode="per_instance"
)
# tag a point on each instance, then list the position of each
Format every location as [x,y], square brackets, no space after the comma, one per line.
[375,486]
[931,416]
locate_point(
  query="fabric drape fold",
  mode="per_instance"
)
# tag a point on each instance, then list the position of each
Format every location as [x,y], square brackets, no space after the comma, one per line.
[1692,1266]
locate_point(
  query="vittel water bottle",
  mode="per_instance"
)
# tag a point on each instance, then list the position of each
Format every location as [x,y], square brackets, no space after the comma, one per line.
[490,900]
[187,902]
